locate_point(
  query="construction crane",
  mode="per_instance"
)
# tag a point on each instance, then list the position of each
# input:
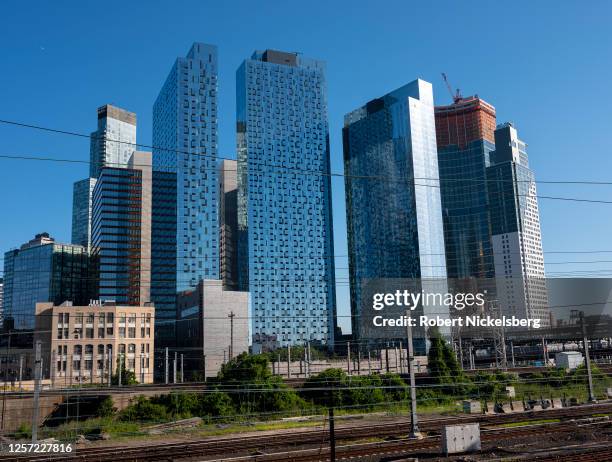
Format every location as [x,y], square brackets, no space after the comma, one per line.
[457,96]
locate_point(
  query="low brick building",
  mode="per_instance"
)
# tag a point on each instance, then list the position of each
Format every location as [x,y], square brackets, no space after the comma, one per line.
[82,344]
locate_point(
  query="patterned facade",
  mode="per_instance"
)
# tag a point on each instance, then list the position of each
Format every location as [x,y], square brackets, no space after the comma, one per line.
[185,145]
[284,198]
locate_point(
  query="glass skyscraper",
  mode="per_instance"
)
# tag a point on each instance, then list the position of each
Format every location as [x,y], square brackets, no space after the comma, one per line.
[185,145]
[43,270]
[113,143]
[121,231]
[285,231]
[464,132]
[394,216]
[515,229]
[82,198]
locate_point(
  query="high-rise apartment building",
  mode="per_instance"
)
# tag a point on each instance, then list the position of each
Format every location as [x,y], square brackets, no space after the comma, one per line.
[82,198]
[113,143]
[43,270]
[185,145]
[515,228]
[228,223]
[284,197]
[121,231]
[464,133]
[394,216]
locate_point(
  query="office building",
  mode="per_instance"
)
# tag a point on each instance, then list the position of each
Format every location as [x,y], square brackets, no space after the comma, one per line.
[228,223]
[121,231]
[285,228]
[464,133]
[394,216]
[214,323]
[185,144]
[84,344]
[82,198]
[515,228]
[113,143]
[43,270]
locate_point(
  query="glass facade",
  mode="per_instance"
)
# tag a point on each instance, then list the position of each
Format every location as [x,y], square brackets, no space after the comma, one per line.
[285,232]
[394,217]
[163,253]
[116,235]
[185,144]
[113,143]
[82,197]
[44,271]
[465,141]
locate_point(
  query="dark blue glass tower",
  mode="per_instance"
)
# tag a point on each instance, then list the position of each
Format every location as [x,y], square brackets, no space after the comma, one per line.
[394,218]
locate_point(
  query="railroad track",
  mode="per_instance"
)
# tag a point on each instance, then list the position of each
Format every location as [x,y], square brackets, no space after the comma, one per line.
[263,444]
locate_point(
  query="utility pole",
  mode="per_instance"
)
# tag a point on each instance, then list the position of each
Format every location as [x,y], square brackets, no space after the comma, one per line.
[414,430]
[231,348]
[332,434]
[119,369]
[288,361]
[348,357]
[174,367]
[142,372]
[369,363]
[512,353]
[587,358]
[204,366]
[167,365]
[182,370]
[20,371]
[110,368]
[37,374]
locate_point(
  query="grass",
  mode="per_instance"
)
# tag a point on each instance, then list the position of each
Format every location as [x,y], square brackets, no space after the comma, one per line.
[530,422]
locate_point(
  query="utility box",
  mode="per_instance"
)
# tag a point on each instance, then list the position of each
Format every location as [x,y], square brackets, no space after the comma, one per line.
[510,392]
[472,407]
[461,438]
[569,359]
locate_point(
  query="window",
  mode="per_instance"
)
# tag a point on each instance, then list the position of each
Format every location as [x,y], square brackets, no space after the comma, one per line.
[88,349]
[122,348]
[132,348]
[101,350]
[122,332]
[131,332]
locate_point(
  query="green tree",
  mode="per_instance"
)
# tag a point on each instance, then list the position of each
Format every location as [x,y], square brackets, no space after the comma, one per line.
[141,409]
[106,408]
[128,377]
[256,389]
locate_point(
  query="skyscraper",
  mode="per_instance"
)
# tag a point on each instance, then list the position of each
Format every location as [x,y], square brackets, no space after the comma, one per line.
[515,226]
[185,144]
[185,140]
[394,217]
[82,198]
[43,270]
[464,133]
[284,197]
[121,231]
[113,143]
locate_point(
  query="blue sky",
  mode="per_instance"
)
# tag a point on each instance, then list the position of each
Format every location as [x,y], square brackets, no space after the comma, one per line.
[545,66]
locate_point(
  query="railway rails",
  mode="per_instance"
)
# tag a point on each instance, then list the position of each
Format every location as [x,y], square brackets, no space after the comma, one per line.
[271,446]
